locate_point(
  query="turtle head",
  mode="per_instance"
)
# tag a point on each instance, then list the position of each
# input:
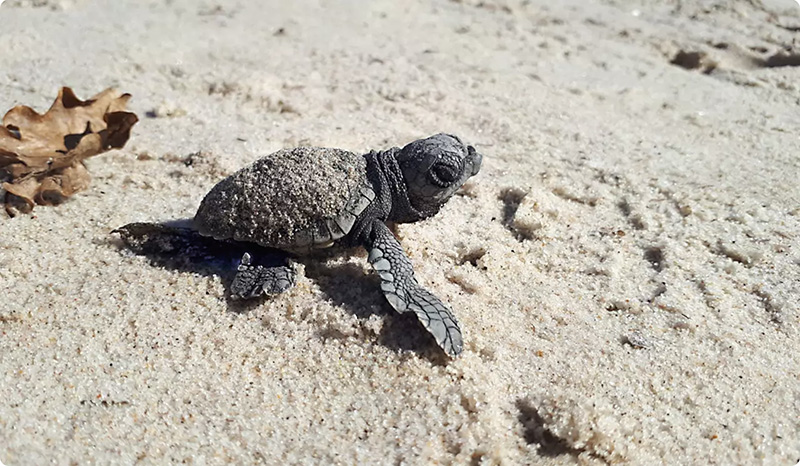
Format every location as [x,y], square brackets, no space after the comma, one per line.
[434,168]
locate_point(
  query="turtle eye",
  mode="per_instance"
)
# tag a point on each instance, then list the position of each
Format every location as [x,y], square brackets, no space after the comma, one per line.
[443,174]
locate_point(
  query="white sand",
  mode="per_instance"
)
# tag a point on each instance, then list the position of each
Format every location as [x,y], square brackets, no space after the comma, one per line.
[640,304]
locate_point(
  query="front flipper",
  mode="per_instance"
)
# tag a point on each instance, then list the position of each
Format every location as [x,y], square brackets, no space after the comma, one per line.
[253,280]
[406,295]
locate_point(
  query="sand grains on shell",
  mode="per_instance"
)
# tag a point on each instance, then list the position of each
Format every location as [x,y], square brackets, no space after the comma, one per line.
[283,193]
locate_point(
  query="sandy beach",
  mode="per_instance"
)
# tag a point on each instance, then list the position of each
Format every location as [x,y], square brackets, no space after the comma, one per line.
[625,267]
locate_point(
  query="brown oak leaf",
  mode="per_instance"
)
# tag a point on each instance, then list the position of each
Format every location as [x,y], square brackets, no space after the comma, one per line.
[42,155]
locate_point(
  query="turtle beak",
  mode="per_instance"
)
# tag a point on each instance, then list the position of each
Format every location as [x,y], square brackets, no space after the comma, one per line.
[476,159]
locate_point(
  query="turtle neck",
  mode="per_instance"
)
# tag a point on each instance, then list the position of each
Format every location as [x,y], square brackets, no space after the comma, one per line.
[391,180]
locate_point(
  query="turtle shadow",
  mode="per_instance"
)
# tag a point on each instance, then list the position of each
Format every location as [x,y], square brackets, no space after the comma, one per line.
[349,287]
[173,246]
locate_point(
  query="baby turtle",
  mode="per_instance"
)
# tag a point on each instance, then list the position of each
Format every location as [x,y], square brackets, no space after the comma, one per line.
[302,200]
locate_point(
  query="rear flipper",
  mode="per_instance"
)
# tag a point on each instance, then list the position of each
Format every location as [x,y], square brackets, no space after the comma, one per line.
[253,280]
[255,270]
[165,242]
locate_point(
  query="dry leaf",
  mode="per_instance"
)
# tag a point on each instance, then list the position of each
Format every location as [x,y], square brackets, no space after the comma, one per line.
[43,155]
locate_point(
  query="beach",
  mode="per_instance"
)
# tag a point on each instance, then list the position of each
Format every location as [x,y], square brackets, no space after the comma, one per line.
[625,267]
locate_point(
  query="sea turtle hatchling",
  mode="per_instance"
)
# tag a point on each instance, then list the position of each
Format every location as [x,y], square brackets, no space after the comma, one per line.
[304,199]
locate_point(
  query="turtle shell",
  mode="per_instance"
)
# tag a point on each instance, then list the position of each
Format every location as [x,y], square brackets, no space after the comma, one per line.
[290,199]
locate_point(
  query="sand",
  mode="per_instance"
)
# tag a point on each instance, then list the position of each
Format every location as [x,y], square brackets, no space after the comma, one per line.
[626,266]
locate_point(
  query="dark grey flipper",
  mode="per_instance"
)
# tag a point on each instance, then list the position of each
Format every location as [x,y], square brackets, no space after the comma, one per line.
[164,242]
[257,270]
[253,280]
[406,295]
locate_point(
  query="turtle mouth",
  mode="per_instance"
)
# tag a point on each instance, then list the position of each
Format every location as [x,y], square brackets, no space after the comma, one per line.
[476,158]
